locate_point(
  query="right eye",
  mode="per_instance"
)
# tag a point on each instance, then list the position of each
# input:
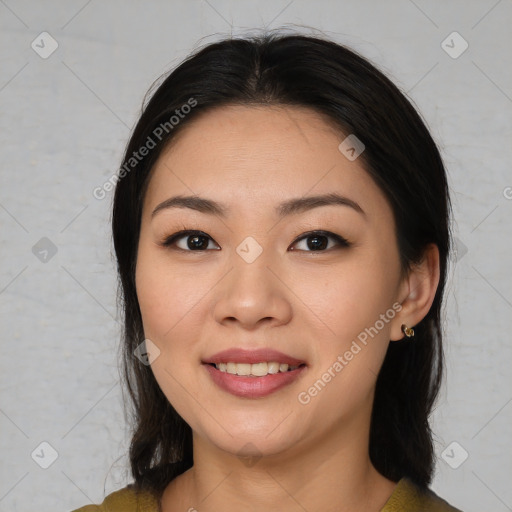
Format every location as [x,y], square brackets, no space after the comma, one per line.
[195,241]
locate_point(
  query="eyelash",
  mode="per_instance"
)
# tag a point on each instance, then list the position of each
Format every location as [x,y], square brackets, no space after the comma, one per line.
[172,239]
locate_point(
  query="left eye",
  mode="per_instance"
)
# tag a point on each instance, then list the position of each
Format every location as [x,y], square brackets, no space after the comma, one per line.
[198,241]
[320,240]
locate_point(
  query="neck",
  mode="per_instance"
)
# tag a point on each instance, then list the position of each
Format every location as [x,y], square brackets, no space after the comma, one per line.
[333,473]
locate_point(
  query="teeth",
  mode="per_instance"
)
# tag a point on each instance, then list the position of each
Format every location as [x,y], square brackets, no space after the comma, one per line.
[243,369]
[254,370]
[273,367]
[259,369]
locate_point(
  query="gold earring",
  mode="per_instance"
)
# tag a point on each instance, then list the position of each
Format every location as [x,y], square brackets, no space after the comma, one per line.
[408,331]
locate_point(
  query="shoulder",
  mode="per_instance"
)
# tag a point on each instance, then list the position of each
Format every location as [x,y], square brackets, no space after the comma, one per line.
[408,496]
[125,500]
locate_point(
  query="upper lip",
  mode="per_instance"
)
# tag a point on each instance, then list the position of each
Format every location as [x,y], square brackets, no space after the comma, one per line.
[237,355]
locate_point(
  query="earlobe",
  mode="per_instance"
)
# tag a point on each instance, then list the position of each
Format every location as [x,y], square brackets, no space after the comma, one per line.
[420,287]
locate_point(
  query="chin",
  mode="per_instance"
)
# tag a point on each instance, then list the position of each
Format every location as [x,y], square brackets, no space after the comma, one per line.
[253,447]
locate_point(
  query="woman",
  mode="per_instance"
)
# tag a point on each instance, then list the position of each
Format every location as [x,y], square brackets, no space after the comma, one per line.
[281,226]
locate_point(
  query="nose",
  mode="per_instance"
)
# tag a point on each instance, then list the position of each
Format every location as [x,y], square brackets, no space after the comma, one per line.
[252,294]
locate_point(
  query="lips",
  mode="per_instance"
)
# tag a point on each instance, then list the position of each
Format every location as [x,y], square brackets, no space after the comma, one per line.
[263,355]
[252,386]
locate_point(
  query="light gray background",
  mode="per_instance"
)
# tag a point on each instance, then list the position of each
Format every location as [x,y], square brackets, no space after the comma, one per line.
[63,126]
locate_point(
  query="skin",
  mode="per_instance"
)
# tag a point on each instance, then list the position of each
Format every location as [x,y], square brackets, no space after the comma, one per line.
[306,303]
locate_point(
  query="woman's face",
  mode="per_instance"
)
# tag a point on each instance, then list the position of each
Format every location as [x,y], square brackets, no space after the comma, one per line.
[254,281]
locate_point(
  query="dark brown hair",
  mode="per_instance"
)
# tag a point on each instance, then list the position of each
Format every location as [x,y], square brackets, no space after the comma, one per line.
[400,155]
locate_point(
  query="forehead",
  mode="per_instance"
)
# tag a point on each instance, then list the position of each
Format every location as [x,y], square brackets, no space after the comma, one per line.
[261,155]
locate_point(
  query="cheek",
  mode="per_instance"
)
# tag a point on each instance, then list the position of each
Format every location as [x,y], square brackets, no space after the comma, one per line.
[349,298]
[167,295]
[351,343]
[353,310]
[170,304]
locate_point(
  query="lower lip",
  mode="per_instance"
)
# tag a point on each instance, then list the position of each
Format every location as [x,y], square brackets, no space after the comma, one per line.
[252,387]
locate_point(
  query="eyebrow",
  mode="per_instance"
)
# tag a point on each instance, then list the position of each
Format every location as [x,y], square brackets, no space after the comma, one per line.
[289,207]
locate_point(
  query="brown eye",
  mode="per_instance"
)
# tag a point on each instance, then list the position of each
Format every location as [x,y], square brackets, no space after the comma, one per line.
[198,241]
[318,241]
[194,241]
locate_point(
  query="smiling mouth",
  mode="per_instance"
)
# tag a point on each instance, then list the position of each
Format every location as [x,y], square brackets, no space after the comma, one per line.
[256,369]
[254,380]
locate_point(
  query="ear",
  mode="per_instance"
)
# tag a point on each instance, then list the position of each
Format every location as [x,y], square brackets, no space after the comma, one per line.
[417,292]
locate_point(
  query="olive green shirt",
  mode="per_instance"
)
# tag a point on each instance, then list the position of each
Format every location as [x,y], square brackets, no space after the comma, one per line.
[405,498]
